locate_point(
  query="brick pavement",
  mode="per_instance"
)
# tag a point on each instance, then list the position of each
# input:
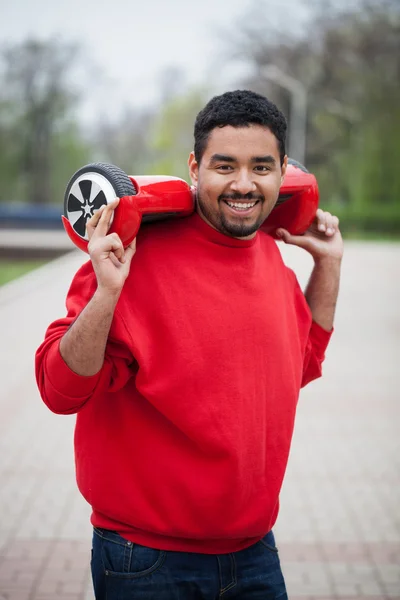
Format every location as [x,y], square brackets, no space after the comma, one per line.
[339,526]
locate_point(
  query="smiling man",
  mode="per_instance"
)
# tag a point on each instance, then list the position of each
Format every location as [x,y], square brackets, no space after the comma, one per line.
[183,359]
[238,189]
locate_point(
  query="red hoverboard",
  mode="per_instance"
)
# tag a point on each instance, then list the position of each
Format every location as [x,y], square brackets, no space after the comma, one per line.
[152,198]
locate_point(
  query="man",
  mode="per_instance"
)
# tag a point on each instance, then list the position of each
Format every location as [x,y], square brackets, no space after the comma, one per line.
[183,359]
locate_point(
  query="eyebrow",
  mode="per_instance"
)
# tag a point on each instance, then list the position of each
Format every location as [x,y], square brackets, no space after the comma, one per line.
[254,159]
[263,159]
[222,158]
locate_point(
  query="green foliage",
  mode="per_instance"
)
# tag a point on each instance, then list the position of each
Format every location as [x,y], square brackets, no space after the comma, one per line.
[350,67]
[69,153]
[125,143]
[375,219]
[9,155]
[158,142]
[40,144]
[172,135]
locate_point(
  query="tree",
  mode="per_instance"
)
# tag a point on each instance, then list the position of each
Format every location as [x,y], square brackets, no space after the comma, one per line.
[126,142]
[38,134]
[172,136]
[349,62]
[153,141]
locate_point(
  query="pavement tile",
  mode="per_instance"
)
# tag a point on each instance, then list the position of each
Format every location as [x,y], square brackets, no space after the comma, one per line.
[338,532]
[13,594]
[60,596]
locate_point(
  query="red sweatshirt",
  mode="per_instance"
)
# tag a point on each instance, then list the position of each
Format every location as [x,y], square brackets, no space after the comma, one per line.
[183,437]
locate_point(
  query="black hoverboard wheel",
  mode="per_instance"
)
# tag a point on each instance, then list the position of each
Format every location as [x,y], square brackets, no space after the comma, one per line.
[91,187]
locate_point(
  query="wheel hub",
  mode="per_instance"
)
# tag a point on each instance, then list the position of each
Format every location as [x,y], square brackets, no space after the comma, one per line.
[85,198]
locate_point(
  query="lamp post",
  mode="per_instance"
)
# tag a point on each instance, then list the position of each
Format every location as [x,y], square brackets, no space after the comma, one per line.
[298,109]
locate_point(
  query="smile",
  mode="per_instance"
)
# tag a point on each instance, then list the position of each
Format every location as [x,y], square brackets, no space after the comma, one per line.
[241,206]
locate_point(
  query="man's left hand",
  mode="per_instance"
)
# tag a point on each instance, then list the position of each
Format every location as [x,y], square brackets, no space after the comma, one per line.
[322,239]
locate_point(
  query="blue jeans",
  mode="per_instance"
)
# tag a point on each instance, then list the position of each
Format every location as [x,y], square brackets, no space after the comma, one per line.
[122,570]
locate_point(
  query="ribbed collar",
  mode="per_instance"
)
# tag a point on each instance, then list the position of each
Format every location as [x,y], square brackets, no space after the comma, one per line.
[206,231]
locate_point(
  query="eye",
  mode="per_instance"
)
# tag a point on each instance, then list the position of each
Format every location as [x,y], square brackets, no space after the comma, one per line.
[224,168]
[262,168]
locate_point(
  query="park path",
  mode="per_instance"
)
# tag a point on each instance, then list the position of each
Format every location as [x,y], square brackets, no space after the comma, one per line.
[339,527]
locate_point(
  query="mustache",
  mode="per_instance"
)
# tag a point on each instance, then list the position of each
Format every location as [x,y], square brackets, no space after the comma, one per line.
[250,197]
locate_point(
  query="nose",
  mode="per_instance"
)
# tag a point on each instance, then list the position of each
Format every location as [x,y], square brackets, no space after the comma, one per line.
[243,182]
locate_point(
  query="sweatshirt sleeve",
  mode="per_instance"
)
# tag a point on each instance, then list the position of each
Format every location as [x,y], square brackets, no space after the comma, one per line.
[318,340]
[314,339]
[62,390]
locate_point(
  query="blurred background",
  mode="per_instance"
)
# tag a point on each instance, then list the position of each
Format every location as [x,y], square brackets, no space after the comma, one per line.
[122,83]
[79,84]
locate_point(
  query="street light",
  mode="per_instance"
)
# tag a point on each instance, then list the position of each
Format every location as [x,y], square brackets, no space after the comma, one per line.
[298,109]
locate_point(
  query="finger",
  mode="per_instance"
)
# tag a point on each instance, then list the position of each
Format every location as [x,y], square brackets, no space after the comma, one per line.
[114,260]
[130,251]
[321,219]
[335,223]
[301,241]
[116,247]
[110,245]
[284,235]
[104,222]
[93,221]
[330,224]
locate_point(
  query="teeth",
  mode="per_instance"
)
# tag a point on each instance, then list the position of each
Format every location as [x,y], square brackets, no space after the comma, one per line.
[241,205]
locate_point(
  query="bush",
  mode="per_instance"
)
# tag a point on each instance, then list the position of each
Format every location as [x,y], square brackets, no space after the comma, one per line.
[380,220]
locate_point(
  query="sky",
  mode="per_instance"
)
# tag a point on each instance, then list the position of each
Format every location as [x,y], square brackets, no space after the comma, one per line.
[130,43]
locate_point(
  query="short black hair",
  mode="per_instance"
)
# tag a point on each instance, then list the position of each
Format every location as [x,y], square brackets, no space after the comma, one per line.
[239,108]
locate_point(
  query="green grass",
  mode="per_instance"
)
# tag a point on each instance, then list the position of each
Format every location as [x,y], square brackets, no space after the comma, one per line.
[12,269]
[371,236]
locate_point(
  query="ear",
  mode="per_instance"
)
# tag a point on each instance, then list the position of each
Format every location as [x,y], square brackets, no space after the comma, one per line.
[283,168]
[193,169]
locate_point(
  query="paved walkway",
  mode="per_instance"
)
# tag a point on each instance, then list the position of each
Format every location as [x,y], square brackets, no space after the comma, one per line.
[31,239]
[21,243]
[339,526]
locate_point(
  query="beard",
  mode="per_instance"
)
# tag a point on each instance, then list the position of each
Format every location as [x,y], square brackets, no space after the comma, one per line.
[236,229]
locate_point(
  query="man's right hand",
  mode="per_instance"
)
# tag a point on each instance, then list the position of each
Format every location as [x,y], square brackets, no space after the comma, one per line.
[111,262]
[84,343]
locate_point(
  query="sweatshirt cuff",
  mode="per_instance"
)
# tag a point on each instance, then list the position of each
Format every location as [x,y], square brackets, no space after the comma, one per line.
[66,381]
[319,338]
